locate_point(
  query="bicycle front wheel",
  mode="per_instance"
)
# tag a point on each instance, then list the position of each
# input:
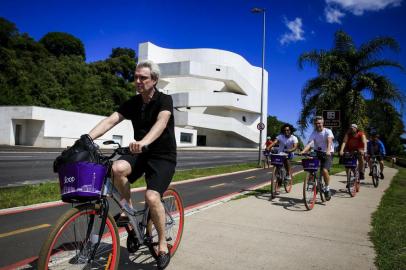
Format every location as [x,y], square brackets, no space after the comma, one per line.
[274,182]
[375,177]
[174,221]
[309,191]
[351,182]
[72,240]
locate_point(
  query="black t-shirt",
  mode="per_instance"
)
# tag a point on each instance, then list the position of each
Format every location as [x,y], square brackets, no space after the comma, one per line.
[144,116]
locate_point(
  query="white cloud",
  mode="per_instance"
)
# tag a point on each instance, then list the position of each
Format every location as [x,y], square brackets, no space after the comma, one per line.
[296,31]
[333,15]
[358,7]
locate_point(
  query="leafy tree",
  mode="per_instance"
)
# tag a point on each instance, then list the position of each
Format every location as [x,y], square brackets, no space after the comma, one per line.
[345,73]
[8,31]
[387,122]
[59,43]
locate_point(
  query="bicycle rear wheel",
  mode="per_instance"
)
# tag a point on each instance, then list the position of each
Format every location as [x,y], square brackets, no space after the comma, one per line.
[288,184]
[351,182]
[174,221]
[375,176]
[71,241]
[274,182]
[309,191]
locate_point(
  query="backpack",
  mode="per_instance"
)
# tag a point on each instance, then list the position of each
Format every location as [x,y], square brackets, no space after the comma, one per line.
[84,149]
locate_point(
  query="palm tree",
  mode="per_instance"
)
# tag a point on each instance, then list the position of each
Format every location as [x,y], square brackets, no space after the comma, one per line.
[345,73]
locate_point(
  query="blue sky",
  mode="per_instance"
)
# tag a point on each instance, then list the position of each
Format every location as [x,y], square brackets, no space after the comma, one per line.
[293,27]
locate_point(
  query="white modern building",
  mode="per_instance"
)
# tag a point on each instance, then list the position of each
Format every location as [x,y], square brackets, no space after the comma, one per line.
[216,97]
[45,127]
[215,92]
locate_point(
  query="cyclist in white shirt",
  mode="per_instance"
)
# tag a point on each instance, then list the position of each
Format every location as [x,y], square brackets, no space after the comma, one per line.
[322,141]
[287,144]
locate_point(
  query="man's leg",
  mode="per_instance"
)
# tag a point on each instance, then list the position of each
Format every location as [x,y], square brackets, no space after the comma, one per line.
[326,177]
[153,199]
[121,169]
[361,165]
[381,167]
[287,167]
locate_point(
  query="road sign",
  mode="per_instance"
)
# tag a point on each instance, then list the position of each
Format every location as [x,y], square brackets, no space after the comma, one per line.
[331,118]
[260,126]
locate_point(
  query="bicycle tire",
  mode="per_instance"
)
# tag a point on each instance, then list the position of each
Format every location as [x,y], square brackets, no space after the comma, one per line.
[66,246]
[309,191]
[174,219]
[288,184]
[351,183]
[274,182]
[375,176]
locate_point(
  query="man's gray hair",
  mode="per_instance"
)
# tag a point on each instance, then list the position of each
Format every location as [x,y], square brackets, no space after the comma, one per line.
[318,117]
[155,71]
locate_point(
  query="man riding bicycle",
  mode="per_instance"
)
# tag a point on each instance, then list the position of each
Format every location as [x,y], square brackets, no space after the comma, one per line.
[376,148]
[151,114]
[355,141]
[322,141]
[287,144]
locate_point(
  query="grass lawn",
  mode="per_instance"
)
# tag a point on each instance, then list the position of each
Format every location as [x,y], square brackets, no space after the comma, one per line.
[389,226]
[46,192]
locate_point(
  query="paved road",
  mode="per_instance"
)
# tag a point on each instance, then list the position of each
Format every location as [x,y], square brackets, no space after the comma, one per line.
[30,167]
[17,244]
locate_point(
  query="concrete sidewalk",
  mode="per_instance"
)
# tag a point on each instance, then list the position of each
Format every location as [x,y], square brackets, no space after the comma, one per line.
[254,233]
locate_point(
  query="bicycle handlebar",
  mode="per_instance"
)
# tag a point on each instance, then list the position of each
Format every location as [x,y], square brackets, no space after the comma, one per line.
[123,150]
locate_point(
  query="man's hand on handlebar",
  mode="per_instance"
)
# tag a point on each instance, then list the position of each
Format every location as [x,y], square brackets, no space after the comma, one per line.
[137,146]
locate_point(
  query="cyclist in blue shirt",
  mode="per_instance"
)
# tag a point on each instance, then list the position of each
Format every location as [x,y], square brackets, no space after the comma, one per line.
[375,147]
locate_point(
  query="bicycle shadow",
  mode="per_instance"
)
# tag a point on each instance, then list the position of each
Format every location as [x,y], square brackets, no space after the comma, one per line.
[288,203]
[140,260]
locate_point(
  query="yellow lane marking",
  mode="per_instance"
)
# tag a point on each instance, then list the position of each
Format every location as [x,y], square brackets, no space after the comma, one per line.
[25,230]
[219,185]
[250,177]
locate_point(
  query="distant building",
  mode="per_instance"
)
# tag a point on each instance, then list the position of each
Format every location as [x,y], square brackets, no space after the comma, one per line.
[215,92]
[216,98]
[45,127]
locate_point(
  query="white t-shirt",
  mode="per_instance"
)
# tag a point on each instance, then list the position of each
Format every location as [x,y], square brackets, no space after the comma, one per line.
[319,139]
[286,143]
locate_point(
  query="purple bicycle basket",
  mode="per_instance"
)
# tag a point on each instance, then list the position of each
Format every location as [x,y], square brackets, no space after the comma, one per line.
[81,181]
[350,162]
[277,159]
[310,164]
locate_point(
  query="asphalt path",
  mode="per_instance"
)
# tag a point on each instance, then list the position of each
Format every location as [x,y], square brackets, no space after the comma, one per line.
[21,167]
[22,233]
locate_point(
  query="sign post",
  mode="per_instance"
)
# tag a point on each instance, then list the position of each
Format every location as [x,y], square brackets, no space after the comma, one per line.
[331,118]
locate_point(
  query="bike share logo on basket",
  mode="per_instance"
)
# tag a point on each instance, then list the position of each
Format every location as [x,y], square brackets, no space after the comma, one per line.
[69,179]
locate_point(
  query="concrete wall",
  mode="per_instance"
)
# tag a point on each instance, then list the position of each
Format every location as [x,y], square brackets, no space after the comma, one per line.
[44,127]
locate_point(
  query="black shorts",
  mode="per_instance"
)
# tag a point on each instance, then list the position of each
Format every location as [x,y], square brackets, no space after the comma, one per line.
[158,172]
[326,162]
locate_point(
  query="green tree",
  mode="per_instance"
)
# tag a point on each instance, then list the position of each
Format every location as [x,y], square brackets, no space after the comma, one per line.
[8,31]
[59,43]
[387,122]
[345,73]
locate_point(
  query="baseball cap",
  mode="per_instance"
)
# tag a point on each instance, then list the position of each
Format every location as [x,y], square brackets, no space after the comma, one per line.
[354,126]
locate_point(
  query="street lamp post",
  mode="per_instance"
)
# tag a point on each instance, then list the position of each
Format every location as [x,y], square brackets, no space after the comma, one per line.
[261,10]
